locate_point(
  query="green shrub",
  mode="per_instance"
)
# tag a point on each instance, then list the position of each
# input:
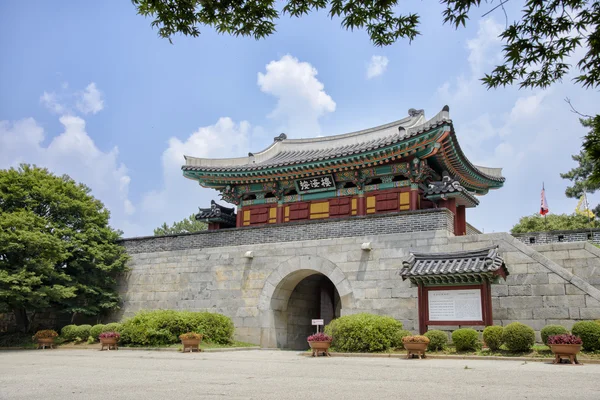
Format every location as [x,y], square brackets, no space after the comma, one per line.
[82,331]
[492,336]
[112,327]
[96,330]
[364,333]
[437,340]
[69,332]
[518,337]
[397,340]
[589,332]
[466,339]
[551,330]
[161,327]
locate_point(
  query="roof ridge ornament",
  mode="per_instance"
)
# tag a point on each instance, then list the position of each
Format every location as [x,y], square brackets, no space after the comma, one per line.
[280,138]
[413,112]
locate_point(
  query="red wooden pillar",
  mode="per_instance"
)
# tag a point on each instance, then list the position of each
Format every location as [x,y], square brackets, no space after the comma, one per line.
[422,309]
[486,303]
[239,219]
[362,209]
[460,221]
[414,198]
[213,225]
[279,213]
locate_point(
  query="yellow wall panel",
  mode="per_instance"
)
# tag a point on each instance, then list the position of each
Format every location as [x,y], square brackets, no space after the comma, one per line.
[371,202]
[404,198]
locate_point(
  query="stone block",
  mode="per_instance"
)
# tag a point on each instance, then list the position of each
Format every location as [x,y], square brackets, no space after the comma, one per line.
[564,301]
[553,278]
[521,302]
[384,293]
[567,323]
[591,302]
[520,290]
[404,292]
[499,290]
[574,313]
[574,254]
[521,279]
[518,313]
[516,257]
[572,289]
[553,289]
[372,293]
[551,312]
[590,313]
[500,313]
[517,268]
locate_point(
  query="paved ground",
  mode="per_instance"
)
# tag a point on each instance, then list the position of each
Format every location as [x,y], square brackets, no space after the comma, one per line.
[89,374]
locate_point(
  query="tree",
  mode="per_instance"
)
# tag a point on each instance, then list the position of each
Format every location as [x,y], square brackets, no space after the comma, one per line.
[553,222]
[581,178]
[57,250]
[537,50]
[187,225]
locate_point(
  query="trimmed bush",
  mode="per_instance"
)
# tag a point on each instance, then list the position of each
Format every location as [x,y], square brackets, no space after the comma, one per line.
[518,337]
[83,331]
[69,332]
[589,332]
[492,336]
[112,327]
[364,333]
[466,339]
[437,340]
[551,330]
[161,327]
[96,331]
[397,341]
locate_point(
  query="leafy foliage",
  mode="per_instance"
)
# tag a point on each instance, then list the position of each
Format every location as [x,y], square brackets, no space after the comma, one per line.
[56,247]
[591,144]
[465,339]
[363,333]
[416,339]
[536,54]
[553,222]
[589,332]
[190,336]
[110,335]
[69,332]
[565,338]
[96,331]
[397,341]
[187,225]
[45,334]
[161,327]
[551,330]
[319,337]
[437,339]
[82,331]
[492,336]
[518,337]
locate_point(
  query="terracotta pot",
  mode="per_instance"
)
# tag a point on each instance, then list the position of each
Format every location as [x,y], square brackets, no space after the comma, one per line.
[45,342]
[191,344]
[109,343]
[417,349]
[322,347]
[565,351]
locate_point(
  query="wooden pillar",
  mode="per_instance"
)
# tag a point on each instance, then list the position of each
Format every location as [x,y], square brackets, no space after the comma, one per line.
[239,219]
[414,197]
[486,303]
[213,226]
[362,207]
[279,213]
[422,309]
[460,221]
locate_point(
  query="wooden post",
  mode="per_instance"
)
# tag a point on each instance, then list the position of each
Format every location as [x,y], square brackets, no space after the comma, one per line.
[239,219]
[279,219]
[414,197]
[362,209]
[422,309]
[460,221]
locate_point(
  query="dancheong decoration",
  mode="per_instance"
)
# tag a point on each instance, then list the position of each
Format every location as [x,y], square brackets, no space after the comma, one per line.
[315,184]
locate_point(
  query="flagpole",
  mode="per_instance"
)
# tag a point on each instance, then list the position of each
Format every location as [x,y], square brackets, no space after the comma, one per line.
[545,220]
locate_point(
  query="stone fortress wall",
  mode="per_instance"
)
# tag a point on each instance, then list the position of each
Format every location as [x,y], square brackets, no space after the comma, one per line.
[256,276]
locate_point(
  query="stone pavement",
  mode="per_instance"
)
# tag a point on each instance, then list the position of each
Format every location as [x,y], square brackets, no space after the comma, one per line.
[261,374]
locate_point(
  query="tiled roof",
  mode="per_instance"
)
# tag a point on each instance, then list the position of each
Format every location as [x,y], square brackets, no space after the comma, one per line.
[462,266]
[451,187]
[217,213]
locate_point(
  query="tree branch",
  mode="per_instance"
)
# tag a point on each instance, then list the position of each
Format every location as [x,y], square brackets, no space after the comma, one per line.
[574,110]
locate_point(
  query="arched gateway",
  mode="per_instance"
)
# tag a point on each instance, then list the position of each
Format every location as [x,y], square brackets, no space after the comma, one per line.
[283,284]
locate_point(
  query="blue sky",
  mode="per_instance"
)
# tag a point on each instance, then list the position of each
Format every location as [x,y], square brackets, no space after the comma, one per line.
[88,89]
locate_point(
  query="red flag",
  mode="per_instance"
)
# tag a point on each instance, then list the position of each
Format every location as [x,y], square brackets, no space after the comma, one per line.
[544,208]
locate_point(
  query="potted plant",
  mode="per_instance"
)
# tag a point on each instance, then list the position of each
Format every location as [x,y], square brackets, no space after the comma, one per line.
[566,346]
[320,342]
[109,339]
[191,340]
[415,345]
[45,338]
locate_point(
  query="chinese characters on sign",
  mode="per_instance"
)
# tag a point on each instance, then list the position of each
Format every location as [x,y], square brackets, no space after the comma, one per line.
[455,305]
[315,183]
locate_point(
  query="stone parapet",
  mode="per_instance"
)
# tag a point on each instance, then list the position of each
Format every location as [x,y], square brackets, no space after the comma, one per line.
[440,219]
[579,235]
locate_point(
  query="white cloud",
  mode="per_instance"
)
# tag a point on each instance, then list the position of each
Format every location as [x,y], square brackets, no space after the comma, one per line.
[72,152]
[90,100]
[180,197]
[50,101]
[377,66]
[301,98]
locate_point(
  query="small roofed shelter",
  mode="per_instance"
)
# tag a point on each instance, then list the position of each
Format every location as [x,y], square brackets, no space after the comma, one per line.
[410,164]
[217,216]
[455,287]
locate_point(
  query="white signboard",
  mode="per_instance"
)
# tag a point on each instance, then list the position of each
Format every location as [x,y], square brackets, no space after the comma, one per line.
[455,305]
[317,322]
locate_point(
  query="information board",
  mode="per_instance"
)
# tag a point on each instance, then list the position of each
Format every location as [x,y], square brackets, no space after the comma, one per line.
[318,322]
[455,305]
